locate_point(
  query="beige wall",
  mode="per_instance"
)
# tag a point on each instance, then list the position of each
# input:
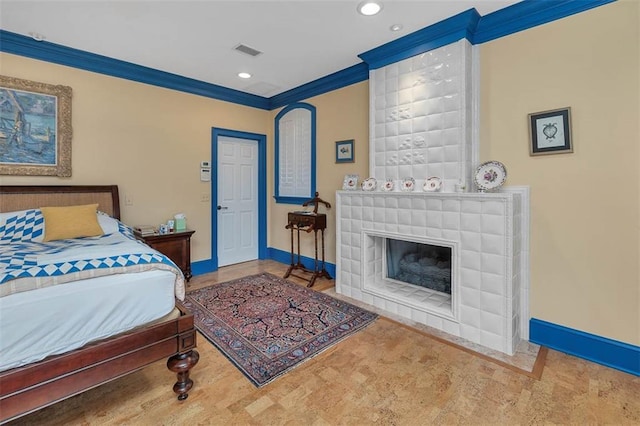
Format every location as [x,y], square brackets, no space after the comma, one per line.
[585,205]
[340,115]
[147,140]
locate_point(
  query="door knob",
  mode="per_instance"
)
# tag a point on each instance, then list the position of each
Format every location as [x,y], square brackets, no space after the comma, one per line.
[222,208]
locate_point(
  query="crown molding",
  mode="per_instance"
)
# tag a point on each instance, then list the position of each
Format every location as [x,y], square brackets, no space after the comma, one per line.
[45,51]
[337,80]
[528,14]
[477,29]
[469,24]
[437,35]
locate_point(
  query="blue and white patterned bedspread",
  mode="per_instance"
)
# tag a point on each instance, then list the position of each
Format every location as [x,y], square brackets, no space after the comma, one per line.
[27,264]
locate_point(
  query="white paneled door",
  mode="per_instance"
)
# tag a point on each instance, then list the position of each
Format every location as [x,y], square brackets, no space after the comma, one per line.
[237,207]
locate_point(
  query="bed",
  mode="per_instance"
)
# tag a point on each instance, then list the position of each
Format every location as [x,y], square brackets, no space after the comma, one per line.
[131,331]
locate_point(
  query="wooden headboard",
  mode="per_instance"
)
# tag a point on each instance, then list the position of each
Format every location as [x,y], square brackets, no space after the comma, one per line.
[22,197]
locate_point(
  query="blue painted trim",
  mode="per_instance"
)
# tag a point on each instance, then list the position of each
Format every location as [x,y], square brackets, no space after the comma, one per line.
[203,267]
[614,354]
[528,14]
[285,257]
[518,17]
[437,35]
[295,200]
[337,80]
[291,200]
[58,54]
[470,25]
[216,132]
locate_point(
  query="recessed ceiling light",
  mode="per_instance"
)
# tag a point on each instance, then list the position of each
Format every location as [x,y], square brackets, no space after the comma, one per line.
[369,8]
[396,27]
[244,75]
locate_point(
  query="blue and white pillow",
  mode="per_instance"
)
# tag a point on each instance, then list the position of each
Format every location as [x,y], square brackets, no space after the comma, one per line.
[23,225]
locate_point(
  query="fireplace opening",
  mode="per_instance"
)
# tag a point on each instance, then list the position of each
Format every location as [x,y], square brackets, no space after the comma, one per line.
[410,286]
[423,265]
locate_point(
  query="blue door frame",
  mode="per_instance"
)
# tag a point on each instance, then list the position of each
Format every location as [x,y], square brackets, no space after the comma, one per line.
[262,189]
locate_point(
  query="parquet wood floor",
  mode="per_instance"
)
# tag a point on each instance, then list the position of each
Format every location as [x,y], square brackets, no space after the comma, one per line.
[386,374]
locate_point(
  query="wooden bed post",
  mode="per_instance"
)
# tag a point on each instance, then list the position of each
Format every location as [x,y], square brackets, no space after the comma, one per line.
[181,364]
[33,386]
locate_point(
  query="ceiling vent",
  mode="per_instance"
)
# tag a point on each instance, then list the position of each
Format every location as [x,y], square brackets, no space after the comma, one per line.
[247,50]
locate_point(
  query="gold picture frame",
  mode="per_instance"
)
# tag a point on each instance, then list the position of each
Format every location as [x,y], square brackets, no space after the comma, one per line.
[35,128]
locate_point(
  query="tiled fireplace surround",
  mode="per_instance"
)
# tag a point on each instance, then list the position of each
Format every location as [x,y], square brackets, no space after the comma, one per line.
[421,126]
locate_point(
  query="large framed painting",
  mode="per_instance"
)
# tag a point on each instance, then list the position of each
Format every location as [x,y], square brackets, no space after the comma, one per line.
[35,128]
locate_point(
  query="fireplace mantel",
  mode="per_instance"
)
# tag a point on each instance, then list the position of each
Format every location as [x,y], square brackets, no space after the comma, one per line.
[490,231]
[424,123]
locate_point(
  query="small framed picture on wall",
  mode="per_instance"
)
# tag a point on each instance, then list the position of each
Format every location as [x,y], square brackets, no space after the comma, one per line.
[550,132]
[344,151]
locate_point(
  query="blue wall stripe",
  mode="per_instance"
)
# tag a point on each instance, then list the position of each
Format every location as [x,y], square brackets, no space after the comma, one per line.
[262,189]
[520,16]
[285,257]
[601,350]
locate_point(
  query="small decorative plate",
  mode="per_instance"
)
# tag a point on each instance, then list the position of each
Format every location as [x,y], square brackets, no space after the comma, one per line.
[490,175]
[432,184]
[369,184]
[350,182]
[388,185]
[408,184]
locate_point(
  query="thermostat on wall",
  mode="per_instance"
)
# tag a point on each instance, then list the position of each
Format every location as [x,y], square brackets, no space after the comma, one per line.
[205,171]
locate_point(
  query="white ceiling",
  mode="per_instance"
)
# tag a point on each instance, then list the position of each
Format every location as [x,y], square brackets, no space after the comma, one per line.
[302,40]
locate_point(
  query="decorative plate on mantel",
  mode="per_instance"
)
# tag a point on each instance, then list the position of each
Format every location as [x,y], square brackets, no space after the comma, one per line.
[408,184]
[369,184]
[432,184]
[490,176]
[388,185]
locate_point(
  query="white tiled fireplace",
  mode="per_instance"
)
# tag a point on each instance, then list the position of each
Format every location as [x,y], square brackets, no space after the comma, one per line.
[486,236]
[423,113]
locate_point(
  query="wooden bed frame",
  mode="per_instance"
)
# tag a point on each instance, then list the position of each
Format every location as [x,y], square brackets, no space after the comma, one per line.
[31,387]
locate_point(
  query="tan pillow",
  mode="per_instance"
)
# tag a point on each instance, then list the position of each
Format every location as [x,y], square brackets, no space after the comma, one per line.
[70,222]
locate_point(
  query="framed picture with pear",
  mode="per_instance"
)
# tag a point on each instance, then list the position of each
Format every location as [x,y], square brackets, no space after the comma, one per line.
[550,132]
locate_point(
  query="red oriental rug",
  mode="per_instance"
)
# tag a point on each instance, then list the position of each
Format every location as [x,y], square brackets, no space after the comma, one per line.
[266,325]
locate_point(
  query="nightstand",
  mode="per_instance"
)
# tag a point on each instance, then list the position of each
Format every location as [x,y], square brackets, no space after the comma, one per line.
[175,245]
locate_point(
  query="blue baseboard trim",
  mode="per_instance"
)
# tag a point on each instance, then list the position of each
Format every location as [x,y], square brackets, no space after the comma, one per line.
[285,257]
[208,265]
[203,267]
[601,350]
